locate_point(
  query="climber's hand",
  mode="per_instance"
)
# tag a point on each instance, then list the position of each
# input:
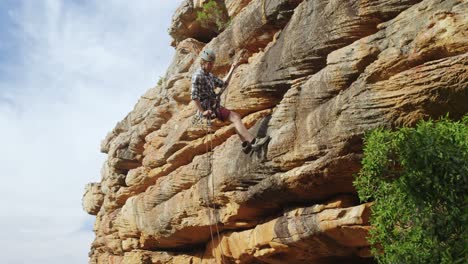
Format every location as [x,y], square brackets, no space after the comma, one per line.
[207,113]
[237,62]
[240,58]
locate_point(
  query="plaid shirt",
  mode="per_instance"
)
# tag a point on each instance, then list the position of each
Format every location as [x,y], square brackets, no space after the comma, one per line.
[204,84]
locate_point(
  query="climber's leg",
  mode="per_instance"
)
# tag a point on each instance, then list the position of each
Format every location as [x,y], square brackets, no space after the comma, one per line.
[241,130]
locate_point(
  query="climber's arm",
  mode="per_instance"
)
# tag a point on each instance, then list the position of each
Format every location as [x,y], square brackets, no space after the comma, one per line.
[198,105]
[234,65]
[229,75]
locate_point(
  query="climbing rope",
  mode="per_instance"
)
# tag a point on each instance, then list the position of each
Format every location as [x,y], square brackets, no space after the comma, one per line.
[213,192]
[212,215]
[264,18]
[206,151]
[198,118]
[225,95]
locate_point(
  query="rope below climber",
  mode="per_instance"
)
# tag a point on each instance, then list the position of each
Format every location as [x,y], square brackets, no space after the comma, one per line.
[208,102]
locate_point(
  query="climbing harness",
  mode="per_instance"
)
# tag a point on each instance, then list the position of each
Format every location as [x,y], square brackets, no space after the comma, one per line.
[198,118]
[214,105]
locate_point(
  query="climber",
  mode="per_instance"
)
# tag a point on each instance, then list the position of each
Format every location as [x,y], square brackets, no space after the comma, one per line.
[208,102]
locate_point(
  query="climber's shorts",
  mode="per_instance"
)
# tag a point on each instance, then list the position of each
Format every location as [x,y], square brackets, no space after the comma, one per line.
[223,113]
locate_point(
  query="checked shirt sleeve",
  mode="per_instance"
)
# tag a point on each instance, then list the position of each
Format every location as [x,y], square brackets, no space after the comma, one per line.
[218,82]
[196,87]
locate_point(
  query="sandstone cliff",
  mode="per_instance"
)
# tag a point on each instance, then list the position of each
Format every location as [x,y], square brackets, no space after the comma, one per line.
[319,74]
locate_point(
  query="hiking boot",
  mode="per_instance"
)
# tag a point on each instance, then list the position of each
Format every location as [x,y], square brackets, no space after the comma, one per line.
[258,142]
[246,147]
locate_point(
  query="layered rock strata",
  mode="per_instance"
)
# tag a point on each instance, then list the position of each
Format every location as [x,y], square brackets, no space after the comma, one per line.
[319,75]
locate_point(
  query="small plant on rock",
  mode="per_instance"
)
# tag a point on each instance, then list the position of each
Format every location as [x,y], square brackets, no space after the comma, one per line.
[161,80]
[213,14]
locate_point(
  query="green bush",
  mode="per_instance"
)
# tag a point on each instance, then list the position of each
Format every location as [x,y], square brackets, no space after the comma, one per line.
[161,80]
[213,14]
[417,178]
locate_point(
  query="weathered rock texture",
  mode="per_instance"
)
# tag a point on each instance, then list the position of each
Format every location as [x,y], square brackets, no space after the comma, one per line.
[319,75]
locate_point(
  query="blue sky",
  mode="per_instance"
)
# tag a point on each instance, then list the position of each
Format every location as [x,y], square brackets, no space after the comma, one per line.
[69,71]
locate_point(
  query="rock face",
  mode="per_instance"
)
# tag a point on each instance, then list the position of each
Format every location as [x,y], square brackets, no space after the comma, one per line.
[319,75]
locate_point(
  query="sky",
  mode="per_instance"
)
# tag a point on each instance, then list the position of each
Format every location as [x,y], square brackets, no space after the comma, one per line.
[69,71]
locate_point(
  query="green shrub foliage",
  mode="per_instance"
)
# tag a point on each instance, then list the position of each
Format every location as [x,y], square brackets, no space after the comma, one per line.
[417,178]
[213,14]
[161,80]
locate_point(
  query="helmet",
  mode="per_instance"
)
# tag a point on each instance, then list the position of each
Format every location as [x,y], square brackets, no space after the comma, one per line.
[208,55]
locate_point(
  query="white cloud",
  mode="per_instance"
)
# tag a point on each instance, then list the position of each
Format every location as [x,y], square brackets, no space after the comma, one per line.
[82,66]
